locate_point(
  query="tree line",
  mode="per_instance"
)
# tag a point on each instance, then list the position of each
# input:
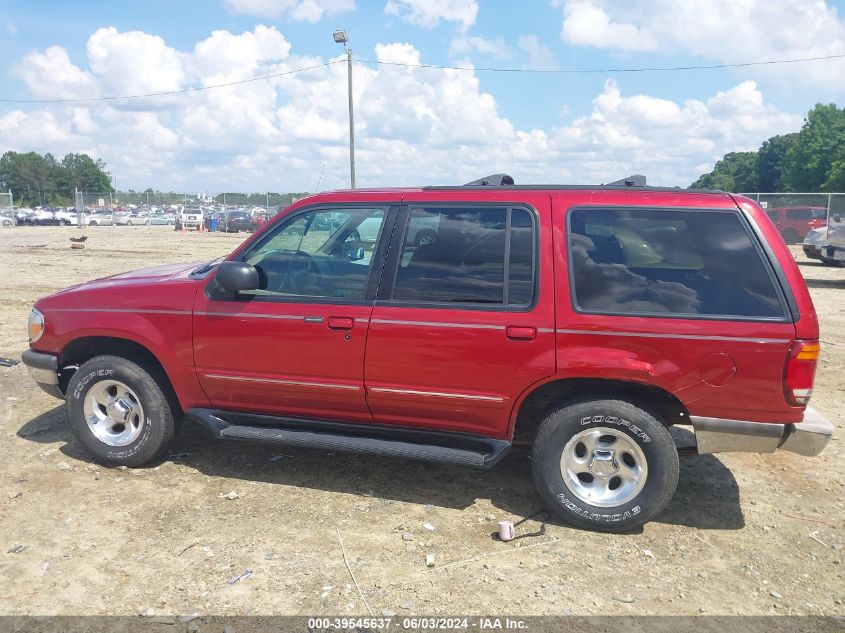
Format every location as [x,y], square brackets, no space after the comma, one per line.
[812,160]
[45,180]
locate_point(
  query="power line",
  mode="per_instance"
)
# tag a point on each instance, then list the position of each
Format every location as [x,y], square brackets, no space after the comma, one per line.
[174,92]
[439,67]
[604,70]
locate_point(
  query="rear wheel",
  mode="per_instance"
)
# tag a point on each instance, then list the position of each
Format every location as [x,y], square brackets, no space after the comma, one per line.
[119,412]
[790,236]
[604,464]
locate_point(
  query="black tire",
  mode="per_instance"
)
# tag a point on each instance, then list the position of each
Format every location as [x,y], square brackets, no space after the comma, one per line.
[642,430]
[790,236]
[157,428]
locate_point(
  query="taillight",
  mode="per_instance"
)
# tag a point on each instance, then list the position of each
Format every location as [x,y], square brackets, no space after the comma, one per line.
[800,372]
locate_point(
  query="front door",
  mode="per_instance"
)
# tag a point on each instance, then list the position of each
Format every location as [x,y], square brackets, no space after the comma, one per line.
[464,322]
[296,346]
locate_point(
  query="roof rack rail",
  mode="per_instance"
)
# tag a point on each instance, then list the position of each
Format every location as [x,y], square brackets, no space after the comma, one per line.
[494,180]
[636,180]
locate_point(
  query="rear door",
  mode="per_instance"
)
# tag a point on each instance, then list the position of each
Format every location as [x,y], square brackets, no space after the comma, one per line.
[464,320]
[672,290]
[296,346]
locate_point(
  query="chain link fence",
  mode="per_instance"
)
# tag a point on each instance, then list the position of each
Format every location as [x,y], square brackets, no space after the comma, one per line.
[267,200]
[7,210]
[94,208]
[795,214]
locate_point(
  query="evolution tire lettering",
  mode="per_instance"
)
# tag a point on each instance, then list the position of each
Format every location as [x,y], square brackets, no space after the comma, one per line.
[595,516]
[137,446]
[610,419]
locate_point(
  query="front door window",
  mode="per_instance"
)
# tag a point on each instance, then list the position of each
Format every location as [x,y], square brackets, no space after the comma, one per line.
[321,253]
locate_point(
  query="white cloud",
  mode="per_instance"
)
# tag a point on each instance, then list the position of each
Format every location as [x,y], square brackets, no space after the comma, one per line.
[299,10]
[666,140]
[414,125]
[540,56]
[586,23]
[728,31]
[468,44]
[430,13]
[51,72]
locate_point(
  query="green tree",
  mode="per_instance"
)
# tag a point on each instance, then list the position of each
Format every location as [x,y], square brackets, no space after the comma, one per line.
[835,177]
[736,172]
[770,161]
[80,171]
[43,180]
[819,145]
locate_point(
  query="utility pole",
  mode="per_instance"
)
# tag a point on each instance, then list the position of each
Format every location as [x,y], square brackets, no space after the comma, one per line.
[341,38]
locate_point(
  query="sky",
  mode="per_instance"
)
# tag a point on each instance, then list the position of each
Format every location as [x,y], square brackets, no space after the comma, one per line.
[413,126]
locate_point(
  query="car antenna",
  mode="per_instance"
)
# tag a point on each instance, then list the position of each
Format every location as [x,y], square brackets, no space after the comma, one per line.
[319,180]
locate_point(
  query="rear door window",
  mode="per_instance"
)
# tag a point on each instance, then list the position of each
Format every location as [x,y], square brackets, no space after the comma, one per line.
[467,255]
[666,262]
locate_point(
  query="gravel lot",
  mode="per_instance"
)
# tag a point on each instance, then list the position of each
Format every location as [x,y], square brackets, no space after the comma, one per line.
[745,534]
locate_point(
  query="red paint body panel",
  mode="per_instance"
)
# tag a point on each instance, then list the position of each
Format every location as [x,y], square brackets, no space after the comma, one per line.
[151,307]
[281,358]
[440,368]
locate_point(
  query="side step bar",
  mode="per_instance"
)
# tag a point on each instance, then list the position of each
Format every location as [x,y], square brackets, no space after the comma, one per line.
[435,446]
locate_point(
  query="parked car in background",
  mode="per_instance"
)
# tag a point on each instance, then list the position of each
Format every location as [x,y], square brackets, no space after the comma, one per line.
[816,246]
[235,222]
[101,218]
[795,222]
[189,218]
[157,218]
[24,217]
[259,219]
[581,321]
[133,218]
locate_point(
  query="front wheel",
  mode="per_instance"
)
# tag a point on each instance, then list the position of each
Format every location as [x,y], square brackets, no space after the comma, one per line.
[119,412]
[604,465]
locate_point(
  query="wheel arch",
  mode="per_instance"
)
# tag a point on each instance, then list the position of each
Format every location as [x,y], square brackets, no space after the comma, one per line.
[535,404]
[84,348]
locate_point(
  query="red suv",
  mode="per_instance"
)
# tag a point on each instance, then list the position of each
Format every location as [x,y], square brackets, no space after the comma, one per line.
[795,222]
[584,321]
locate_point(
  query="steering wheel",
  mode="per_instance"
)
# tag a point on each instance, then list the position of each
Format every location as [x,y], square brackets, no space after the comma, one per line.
[299,265]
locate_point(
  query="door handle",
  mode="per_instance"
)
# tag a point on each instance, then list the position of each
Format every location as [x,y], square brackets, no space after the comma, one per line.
[341,323]
[520,333]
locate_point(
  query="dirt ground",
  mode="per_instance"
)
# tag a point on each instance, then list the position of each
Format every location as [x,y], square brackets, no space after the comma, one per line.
[745,534]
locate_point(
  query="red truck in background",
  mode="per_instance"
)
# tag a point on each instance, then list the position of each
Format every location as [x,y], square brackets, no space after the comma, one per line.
[583,321]
[795,222]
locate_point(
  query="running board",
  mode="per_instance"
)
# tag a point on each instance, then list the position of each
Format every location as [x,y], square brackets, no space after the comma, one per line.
[434,446]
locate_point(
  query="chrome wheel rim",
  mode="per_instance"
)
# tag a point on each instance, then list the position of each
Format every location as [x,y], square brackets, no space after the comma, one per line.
[603,467]
[114,413]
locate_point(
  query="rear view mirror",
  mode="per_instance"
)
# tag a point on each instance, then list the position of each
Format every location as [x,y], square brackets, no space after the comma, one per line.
[237,276]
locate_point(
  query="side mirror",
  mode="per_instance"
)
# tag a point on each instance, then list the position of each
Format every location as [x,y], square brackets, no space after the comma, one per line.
[353,252]
[237,276]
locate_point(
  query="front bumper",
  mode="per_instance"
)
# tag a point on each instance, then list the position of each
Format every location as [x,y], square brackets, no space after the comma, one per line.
[44,369]
[808,437]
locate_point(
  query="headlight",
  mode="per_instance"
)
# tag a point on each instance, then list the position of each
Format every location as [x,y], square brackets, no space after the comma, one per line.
[35,325]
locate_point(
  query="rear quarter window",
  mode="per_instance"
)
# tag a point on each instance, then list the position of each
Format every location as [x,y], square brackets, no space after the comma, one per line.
[668,263]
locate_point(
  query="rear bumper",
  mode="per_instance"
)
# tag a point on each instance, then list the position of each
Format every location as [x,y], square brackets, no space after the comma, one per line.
[808,437]
[44,370]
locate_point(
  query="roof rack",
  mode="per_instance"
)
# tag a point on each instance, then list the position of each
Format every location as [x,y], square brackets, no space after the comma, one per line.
[637,180]
[494,180]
